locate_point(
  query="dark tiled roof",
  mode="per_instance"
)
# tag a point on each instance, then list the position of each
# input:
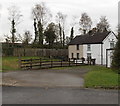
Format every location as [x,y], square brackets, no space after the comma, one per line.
[96,38]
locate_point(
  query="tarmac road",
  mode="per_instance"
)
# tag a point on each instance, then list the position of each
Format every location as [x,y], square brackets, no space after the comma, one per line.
[45,78]
[53,87]
[36,95]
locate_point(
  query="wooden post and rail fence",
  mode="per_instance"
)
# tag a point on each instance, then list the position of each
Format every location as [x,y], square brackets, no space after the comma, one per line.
[47,63]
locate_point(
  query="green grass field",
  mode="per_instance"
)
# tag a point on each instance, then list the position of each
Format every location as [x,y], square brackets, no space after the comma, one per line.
[12,63]
[101,77]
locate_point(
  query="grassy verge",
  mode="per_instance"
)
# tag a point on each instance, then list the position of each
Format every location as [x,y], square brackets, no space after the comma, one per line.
[12,63]
[101,77]
[69,67]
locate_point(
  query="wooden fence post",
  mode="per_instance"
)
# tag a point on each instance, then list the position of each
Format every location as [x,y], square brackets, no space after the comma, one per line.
[40,63]
[20,62]
[69,61]
[76,61]
[51,63]
[61,63]
[30,63]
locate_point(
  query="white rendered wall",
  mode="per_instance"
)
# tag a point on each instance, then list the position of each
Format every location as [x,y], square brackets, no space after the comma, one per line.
[106,45]
[95,52]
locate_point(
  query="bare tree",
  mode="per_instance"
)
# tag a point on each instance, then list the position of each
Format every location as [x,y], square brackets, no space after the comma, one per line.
[41,15]
[57,33]
[73,24]
[85,23]
[27,37]
[103,24]
[63,27]
[61,19]
[74,21]
[7,39]
[14,18]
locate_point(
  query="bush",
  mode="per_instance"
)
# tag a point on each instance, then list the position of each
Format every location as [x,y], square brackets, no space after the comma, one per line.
[116,56]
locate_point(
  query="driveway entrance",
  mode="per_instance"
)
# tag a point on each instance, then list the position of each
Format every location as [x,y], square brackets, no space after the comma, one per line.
[46,78]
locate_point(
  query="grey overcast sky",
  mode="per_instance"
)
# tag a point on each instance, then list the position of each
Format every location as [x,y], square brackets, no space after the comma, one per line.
[94,8]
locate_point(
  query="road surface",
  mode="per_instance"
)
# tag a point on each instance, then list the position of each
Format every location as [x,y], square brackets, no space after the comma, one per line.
[37,95]
[46,77]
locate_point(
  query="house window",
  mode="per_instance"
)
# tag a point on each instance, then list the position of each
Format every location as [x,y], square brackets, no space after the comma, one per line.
[77,47]
[77,55]
[112,45]
[88,47]
[72,55]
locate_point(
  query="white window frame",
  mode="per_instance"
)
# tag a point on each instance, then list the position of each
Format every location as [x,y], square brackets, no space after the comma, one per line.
[112,45]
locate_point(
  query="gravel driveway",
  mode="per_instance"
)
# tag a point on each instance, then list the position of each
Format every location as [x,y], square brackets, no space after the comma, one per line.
[67,77]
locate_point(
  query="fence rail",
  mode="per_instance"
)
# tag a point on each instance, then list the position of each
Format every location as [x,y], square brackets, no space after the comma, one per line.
[43,63]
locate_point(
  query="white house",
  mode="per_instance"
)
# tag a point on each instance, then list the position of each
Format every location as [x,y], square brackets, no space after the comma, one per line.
[95,45]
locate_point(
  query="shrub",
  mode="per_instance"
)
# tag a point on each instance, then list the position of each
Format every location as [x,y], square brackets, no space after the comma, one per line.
[116,56]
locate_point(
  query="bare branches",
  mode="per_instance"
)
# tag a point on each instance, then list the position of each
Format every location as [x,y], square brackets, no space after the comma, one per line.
[103,24]
[61,19]
[14,14]
[14,18]
[85,23]
[74,21]
[27,37]
[41,13]
[9,39]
